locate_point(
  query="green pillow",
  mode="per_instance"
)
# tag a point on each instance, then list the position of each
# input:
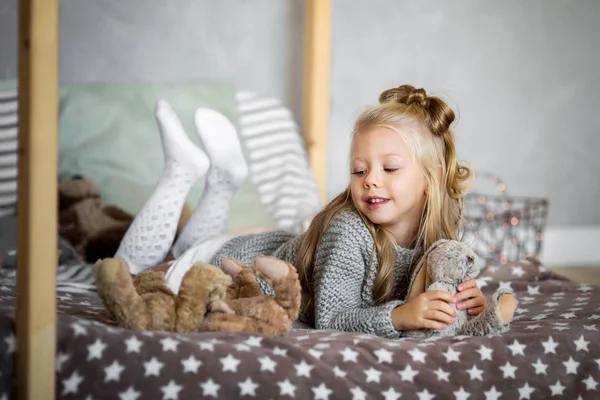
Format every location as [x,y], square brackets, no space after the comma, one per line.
[108,134]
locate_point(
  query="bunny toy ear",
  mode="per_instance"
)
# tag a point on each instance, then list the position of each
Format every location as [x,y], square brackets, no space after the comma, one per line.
[420,278]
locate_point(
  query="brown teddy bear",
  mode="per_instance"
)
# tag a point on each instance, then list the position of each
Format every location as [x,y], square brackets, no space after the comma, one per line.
[94,227]
[209,298]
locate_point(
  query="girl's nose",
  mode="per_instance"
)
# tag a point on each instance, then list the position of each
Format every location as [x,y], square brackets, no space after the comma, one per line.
[371,180]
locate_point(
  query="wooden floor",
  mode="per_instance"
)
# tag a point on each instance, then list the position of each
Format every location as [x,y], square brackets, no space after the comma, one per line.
[589,275]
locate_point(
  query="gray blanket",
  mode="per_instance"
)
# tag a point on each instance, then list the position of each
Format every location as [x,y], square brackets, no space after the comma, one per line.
[552,349]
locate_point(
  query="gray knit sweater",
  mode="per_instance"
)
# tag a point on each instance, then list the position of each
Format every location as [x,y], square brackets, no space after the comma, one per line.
[343,279]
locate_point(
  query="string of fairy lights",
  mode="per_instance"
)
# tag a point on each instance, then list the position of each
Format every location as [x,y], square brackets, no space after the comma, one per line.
[503,228]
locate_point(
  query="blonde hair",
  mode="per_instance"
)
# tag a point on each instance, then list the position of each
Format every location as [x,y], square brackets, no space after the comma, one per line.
[424,123]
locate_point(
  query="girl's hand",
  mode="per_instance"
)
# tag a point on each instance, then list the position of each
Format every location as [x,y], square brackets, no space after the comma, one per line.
[470,297]
[429,310]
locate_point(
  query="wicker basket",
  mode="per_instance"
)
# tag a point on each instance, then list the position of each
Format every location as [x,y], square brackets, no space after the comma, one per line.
[503,228]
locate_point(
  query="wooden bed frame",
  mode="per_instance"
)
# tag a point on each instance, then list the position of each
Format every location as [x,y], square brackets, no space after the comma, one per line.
[38,171]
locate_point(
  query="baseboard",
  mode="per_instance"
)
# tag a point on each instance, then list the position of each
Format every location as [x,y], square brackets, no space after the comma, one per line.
[571,247]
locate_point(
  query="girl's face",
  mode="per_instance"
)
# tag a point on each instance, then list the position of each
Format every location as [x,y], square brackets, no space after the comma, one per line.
[386,185]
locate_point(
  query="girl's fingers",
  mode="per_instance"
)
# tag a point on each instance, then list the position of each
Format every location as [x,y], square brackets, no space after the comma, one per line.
[471,283]
[440,295]
[471,303]
[431,324]
[468,293]
[475,310]
[443,307]
[439,316]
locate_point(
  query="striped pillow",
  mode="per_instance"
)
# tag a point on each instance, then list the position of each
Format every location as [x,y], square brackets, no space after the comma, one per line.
[9,119]
[278,161]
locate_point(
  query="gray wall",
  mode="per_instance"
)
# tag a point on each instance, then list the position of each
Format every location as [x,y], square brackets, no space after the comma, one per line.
[523,76]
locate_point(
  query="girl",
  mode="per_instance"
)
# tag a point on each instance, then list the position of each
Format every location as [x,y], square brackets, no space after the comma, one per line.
[355,259]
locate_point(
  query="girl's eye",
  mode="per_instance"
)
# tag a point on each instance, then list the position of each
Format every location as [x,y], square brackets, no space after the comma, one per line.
[358,172]
[390,169]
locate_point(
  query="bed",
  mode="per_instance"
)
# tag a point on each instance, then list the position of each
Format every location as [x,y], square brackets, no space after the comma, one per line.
[552,348]
[55,341]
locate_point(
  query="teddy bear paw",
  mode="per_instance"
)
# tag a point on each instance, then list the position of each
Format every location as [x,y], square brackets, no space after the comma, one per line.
[219,306]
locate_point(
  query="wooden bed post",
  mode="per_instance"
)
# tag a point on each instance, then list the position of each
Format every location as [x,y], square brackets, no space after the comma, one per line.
[37,207]
[315,99]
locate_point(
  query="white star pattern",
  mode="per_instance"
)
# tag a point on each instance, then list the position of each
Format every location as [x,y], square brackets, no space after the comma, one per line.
[230,363]
[532,327]
[129,394]
[517,271]
[571,366]
[373,375]
[516,348]
[581,344]
[391,394]
[113,372]
[267,364]
[190,364]
[533,290]
[78,329]
[550,346]
[248,387]
[171,390]
[408,373]
[61,358]
[242,347]
[441,375]
[70,385]
[492,394]
[475,373]
[303,369]
[358,394]
[485,352]
[539,317]
[286,388]
[590,383]
[349,355]
[557,389]
[153,367]
[133,345]
[254,341]
[280,352]
[508,370]
[95,350]
[525,391]
[425,395]
[540,367]
[210,388]
[315,353]
[338,372]
[417,355]
[383,356]
[452,355]
[207,346]
[10,343]
[461,394]
[321,392]
[169,344]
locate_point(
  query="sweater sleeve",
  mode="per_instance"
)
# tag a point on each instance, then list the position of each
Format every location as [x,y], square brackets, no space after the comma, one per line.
[339,272]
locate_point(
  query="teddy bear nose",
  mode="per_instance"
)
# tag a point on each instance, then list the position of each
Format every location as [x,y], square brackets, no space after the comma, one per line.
[470,259]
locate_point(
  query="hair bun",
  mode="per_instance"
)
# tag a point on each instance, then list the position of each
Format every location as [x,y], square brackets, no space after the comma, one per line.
[439,115]
[418,96]
[405,94]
